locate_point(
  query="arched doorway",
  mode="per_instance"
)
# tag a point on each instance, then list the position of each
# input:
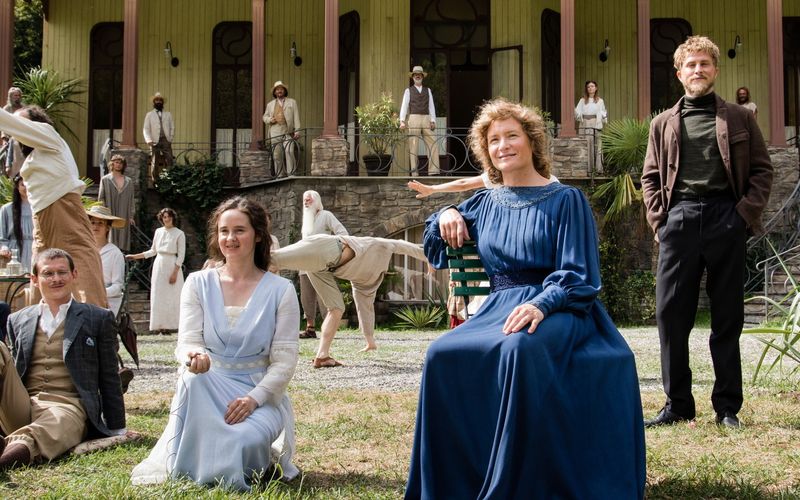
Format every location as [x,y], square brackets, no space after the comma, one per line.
[105,95]
[665,36]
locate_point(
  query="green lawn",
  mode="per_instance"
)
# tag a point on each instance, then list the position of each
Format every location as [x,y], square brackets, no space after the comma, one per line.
[355,432]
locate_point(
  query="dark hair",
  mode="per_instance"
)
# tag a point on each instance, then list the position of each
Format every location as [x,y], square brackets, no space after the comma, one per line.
[586,92]
[50,254]
[285,91]
[37,114]
[257,215]
[16,212]
[171,212]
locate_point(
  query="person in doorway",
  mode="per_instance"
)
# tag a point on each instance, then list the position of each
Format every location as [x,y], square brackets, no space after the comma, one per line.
[418,117]
[706,180]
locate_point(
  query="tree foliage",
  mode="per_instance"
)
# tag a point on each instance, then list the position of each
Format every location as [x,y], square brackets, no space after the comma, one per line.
[28,29]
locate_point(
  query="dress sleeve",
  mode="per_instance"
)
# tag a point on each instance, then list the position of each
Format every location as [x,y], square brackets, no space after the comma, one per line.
[190,325]
[283,352]
[603,113]
[153,248]
[435,247]
[576,282]
[579,111]
[180,242]
[117,267]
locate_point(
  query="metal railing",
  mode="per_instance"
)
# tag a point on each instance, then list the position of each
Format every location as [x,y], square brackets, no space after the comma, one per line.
[139,270]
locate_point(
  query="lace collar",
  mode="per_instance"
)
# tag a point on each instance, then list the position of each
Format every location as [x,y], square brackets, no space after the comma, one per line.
[525,196]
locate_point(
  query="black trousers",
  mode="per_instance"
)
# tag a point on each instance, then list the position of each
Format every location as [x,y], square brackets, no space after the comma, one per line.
[711,235]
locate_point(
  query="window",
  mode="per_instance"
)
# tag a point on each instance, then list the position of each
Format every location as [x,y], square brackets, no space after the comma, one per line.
[412,281]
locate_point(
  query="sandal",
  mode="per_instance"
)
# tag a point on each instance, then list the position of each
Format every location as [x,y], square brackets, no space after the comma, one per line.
[309,333]
[327,362]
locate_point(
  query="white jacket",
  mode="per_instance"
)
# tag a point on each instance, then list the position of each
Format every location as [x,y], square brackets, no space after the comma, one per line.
[290,112]
[152,130]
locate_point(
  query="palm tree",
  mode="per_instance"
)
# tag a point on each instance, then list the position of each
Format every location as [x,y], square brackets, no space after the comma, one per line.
[624,145]
[52,93]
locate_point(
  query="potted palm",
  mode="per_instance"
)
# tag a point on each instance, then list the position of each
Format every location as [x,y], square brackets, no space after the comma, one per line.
[380,130]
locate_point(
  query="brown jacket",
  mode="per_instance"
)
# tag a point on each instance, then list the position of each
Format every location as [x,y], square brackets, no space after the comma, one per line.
[744,154]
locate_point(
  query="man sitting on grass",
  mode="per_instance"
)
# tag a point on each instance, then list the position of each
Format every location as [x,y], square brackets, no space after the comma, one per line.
[65,384]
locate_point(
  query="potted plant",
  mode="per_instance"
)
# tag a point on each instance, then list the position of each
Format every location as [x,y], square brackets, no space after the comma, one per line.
[380,130]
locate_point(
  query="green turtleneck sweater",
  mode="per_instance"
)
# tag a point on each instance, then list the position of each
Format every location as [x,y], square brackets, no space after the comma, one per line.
[701,169]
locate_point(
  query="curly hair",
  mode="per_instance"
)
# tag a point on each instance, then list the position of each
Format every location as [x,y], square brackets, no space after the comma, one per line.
[257,215]
[696,43]
[171,212]
[532,123]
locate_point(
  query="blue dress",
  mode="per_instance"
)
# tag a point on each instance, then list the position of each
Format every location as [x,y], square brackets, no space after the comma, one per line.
[197,443]
[554,414]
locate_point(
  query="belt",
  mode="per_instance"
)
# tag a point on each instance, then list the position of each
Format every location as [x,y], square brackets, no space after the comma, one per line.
[589,117]
[524,277]
[713,196]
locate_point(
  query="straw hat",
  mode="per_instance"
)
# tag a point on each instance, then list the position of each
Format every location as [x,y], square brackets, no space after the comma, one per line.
[417,69]
[157,95]
[101,212]
[279,84]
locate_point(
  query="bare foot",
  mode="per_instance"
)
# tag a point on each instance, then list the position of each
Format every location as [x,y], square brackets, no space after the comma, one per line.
[369,347]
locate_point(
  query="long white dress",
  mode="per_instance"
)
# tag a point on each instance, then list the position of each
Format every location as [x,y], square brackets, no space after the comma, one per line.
[253,352]
[169,249]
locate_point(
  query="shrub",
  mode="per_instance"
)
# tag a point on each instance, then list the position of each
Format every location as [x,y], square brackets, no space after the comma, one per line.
[419,317]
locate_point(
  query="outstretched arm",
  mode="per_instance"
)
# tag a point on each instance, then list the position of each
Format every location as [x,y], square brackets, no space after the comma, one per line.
[456,186]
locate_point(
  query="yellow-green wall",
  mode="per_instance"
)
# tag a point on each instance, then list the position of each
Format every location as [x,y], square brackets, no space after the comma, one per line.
[385,50]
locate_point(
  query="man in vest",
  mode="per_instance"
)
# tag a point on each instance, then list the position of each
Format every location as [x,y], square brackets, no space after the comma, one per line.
[61,383]
[418,116]
[283,122]
[158,131]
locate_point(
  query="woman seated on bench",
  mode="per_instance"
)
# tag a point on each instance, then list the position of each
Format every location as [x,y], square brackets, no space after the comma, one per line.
[536,396]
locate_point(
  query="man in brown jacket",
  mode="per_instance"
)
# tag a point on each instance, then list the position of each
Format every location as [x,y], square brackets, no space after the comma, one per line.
[706,180]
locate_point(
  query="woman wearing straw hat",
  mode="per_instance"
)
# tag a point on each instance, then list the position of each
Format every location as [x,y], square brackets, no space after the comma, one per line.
[113,261]
[283,122]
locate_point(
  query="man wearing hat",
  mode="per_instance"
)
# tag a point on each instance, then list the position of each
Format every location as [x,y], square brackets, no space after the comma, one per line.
[283,122]
[418,115]
[158,131]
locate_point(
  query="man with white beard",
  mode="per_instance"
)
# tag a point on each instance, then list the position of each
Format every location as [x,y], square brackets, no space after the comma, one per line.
[315,221]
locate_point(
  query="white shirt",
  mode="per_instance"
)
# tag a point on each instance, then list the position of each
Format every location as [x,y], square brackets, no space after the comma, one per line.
[46,320]
[407,98]
[50,171]
[113,275]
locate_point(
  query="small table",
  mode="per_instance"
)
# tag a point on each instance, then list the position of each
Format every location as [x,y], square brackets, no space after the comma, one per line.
[13,285]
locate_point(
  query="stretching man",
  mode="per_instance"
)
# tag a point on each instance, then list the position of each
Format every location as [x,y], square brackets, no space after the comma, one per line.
[362,260]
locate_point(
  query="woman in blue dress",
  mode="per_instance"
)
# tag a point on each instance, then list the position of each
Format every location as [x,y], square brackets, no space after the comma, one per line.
[230,418]
[536,395]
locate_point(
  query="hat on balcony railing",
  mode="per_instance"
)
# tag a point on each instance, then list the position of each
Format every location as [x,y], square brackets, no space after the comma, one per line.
[415,70]
[279,84]
[102,212]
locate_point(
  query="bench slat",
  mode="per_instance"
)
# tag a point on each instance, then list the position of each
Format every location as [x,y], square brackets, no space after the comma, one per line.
[471,290]
[469,276]
[464,263]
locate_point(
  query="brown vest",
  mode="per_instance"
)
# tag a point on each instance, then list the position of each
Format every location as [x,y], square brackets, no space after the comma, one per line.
[279,116]
[47,371]
[418,101]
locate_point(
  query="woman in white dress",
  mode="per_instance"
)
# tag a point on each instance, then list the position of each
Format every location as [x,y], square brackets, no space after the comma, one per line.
[113,261]
[166,278]
[230,417]
[591,114]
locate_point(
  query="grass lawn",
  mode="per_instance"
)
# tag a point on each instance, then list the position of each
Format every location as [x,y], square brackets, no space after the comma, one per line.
[355,426]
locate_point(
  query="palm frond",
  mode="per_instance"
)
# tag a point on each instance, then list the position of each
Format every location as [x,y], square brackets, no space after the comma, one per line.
[56,95]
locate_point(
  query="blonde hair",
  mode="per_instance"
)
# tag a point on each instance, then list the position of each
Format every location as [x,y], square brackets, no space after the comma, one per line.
[696,43]
[532,123]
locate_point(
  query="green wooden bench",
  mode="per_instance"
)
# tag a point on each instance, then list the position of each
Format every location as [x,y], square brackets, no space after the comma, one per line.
[466,268]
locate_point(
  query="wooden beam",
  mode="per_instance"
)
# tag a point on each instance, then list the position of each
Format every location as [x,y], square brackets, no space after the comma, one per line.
[567,68]
[258,75]
[331,84]
[6,46]
[777,133]
[130,65]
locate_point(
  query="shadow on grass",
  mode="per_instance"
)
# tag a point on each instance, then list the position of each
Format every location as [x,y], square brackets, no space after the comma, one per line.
[704,488]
